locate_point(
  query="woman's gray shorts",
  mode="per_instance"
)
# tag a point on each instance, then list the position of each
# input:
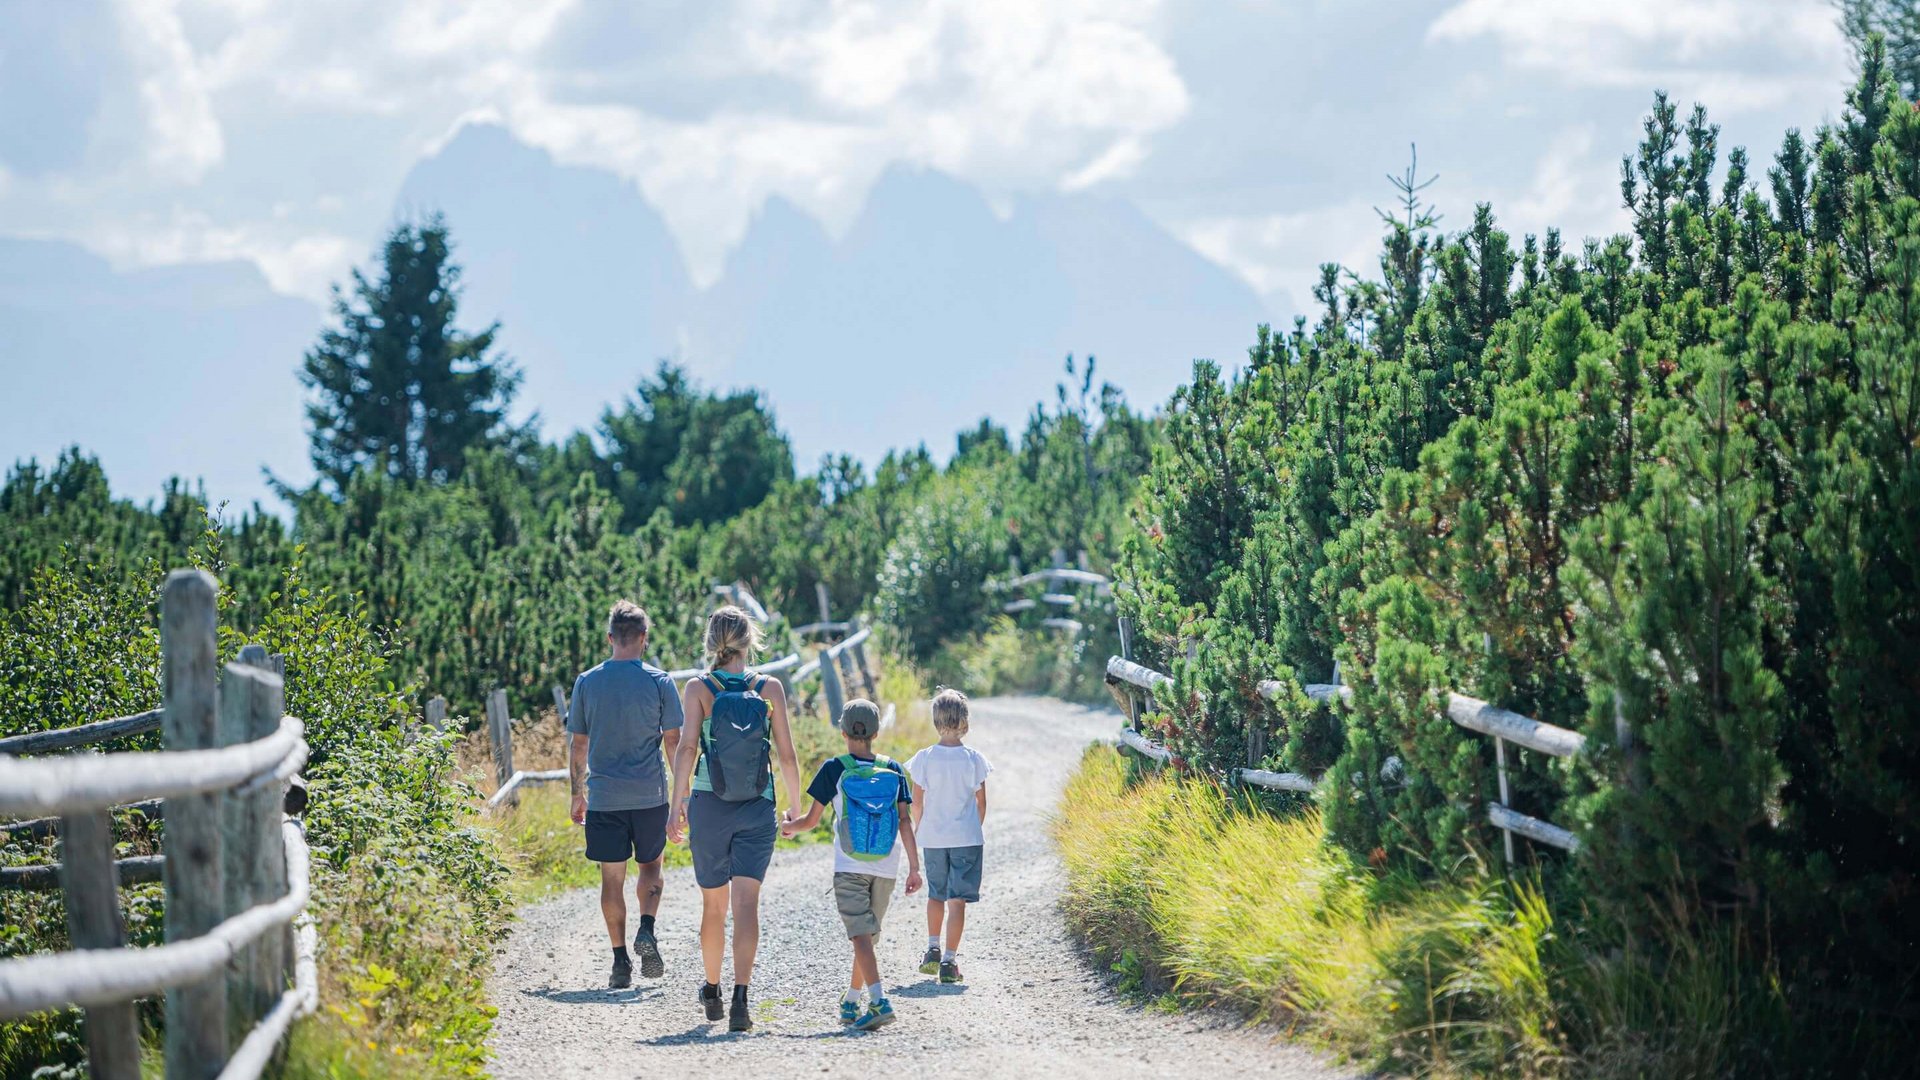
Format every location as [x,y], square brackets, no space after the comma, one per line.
[729,839]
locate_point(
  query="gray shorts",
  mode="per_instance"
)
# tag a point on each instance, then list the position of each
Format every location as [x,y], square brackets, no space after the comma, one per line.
[729,839]
[862,900]
[953,873]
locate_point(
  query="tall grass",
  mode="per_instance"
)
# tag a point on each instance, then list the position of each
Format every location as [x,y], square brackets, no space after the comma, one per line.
[1193,892]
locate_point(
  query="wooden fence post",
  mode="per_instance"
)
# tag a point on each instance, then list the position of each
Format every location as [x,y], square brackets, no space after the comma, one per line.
[196,1014]
[560,704]
[500,732]
[820,594]
[252,701]
[860,658]
[92,898]
[437,713]
[1126,653]
[830,684]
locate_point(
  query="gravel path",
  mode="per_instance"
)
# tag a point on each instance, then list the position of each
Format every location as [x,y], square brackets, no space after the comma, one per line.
[1031,1005]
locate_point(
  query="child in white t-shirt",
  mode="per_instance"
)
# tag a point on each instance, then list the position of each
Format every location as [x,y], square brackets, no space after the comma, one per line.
[949,803]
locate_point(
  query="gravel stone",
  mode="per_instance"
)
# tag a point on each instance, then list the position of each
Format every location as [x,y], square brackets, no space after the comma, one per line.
[1032,1004]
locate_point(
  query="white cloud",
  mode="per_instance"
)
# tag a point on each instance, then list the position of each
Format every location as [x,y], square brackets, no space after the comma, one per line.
[185,137]
[1280,254]
[1737,55]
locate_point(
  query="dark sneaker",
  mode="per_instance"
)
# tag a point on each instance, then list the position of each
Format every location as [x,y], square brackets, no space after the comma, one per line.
[878,1015]
[849,1011]
[650,963]
[739,1016]
[930,963]
[622,976]
[710,1000]
[949,971]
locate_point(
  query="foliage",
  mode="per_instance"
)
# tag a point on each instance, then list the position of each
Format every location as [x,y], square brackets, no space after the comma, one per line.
[1663,491]
[395,386]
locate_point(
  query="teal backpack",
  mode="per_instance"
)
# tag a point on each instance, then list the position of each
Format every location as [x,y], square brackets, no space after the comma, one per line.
[870,794]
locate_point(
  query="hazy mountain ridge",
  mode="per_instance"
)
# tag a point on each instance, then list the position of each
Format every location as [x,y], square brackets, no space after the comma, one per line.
[932,310]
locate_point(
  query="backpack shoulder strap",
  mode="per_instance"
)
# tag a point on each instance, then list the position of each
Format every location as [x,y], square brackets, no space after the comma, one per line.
[713,684]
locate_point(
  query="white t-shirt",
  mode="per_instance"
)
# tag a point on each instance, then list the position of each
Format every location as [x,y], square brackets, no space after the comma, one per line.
[950,775]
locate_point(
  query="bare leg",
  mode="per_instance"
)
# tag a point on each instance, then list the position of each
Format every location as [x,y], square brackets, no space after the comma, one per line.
[713,931]
[613,906]
[936,910]
[746,929]
[956,923]
[866,967]
[646,888]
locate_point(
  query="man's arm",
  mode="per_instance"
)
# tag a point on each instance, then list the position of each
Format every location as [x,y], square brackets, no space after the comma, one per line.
[783,743]
[577,777]
[913,854]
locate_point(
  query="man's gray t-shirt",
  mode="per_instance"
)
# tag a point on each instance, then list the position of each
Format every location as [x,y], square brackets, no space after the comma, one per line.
[622,707]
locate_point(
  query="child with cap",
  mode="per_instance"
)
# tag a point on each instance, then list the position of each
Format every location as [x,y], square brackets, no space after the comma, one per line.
[870,796]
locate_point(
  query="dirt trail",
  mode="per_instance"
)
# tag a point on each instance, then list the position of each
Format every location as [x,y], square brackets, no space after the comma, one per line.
[1031,1006]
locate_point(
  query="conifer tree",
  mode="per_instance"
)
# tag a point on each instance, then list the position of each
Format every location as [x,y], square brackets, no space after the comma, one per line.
[395,384]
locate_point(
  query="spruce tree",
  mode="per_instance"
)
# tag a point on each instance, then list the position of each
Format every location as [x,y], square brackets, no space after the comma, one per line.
[395,385]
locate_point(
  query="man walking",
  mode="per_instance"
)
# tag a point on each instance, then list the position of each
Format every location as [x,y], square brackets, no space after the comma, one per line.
[623,714]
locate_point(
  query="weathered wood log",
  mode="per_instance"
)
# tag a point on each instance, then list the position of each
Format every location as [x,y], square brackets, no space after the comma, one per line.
[1144,746]
[560,703]
[196,1009]
[500,734]
[859,652]
[43,827]
[1135,674]
[87,874]
[520,779]
[1072,626]
[437,713]
[1277,781]
[1476,715]
[137,870]
[251,701]
[47,742]
[100,781]
[1532,828]
[830,686]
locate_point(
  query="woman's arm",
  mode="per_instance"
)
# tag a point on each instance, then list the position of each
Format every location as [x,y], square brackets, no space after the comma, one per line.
[776,696]
[693,706]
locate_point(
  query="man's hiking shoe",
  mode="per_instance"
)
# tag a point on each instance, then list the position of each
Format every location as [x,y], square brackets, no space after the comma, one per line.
[710,1000]
[622,976]
[930,963]
[949,971]
[739,1016]
[878,1015]
[649,949]
[849,1011]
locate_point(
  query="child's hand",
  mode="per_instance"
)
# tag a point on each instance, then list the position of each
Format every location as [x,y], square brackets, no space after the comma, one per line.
[913,882]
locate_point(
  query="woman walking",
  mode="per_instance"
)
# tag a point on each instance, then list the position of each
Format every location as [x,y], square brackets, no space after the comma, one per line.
[741,719]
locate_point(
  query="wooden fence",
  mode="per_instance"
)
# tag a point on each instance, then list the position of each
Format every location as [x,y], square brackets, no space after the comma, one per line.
[237,967]
[1134,680]
[1064,590]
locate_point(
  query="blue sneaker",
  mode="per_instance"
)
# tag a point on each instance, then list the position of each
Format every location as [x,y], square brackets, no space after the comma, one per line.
[878,1015]
[849,1011]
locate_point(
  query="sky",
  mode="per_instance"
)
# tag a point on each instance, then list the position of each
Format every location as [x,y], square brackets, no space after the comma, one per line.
[169,133]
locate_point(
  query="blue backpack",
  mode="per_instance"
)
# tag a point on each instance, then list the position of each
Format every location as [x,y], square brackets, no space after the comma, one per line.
[735,739]
[870,794]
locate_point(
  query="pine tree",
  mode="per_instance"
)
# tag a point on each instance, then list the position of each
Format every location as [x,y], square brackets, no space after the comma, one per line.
[395,385]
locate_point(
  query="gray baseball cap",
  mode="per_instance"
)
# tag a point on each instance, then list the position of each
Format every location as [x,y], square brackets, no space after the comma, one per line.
[860,719]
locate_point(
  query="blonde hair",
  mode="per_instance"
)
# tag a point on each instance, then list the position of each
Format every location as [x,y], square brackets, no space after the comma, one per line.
[731,634]
[628,622]
[950,711]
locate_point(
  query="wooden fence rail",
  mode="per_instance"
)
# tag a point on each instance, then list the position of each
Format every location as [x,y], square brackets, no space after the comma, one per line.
[1468,712]
[1053,580]
[235,867]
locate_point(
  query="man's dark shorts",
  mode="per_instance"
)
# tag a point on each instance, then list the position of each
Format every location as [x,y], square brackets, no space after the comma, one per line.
[728,839]
[614,836]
